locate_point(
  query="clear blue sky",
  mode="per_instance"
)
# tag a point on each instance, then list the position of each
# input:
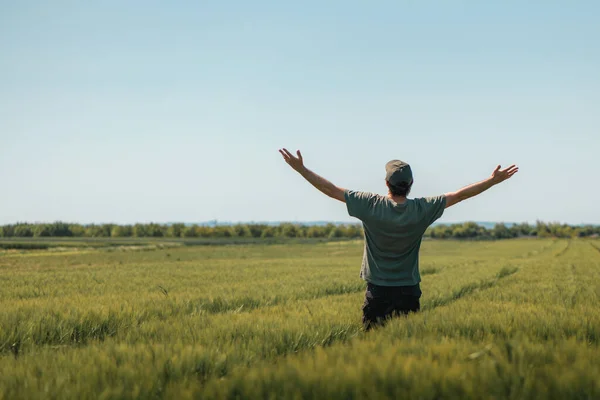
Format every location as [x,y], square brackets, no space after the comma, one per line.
[135,111]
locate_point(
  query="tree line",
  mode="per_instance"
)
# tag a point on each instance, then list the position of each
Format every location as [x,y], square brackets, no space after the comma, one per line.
[467,230]
[180,230]
[471,230]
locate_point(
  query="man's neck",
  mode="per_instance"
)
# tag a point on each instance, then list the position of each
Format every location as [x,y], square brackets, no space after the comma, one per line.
[397,199]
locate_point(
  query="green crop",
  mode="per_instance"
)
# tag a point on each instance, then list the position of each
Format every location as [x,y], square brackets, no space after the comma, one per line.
[515,319]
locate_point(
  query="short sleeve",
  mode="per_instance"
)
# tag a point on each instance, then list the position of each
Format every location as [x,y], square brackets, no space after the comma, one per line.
[358,203]
[433,208]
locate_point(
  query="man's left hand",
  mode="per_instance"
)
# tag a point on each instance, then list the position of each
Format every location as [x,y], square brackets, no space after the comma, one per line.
[295,162]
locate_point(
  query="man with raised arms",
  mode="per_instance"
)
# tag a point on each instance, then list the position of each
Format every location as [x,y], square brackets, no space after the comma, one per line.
[394,226]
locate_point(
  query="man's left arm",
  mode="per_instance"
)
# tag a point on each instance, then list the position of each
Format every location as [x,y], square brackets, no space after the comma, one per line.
[326,187]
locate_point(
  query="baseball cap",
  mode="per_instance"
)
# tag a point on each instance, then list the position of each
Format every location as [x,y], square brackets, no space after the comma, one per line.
[398,173]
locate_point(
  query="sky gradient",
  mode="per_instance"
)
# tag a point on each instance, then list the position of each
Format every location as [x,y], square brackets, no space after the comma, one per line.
[174,111]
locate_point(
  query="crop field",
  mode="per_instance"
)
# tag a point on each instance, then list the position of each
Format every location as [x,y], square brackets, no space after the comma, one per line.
[512,319]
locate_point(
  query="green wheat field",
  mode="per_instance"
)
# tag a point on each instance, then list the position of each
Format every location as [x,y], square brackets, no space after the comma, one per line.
[512,319]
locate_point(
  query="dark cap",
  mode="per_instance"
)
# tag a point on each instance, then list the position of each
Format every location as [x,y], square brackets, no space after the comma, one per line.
[398,172]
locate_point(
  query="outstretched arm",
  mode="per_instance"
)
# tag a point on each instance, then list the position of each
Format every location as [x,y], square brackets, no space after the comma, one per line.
[317,181]
[498,176]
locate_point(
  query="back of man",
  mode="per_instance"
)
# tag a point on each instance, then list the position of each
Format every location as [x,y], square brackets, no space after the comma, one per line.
[394,226]
[393,234]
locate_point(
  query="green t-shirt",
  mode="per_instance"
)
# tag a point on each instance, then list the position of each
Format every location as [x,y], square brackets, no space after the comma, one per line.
[393,234]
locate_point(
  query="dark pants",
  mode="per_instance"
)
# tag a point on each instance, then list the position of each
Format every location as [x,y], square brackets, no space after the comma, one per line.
[384,302]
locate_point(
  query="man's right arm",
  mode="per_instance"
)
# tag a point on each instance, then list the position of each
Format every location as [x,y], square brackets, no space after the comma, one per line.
[499,175]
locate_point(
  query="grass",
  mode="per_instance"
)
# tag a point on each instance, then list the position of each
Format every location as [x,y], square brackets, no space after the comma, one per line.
[510,319]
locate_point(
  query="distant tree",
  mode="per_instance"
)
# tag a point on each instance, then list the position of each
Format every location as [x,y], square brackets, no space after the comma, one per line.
[241,230]
[41,230]
[23,230]
[59,229]
[441,232]
[256,230]
[558,230]
[585,231]
[175,230]
[269,232]
[336,233]
[190,231]
[140,230]
[6,231]
[121,231]
[315,232]
[288,230]
[467,230]
[522,229]
[77,230]
[155,230]
[541,230]
[302,231]
[94,230]
[104,230]
[500,231]
[222,231]
[328,228]
[352,231]
[205,231]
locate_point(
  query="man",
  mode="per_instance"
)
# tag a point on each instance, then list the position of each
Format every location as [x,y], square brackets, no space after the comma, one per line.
[394,226]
